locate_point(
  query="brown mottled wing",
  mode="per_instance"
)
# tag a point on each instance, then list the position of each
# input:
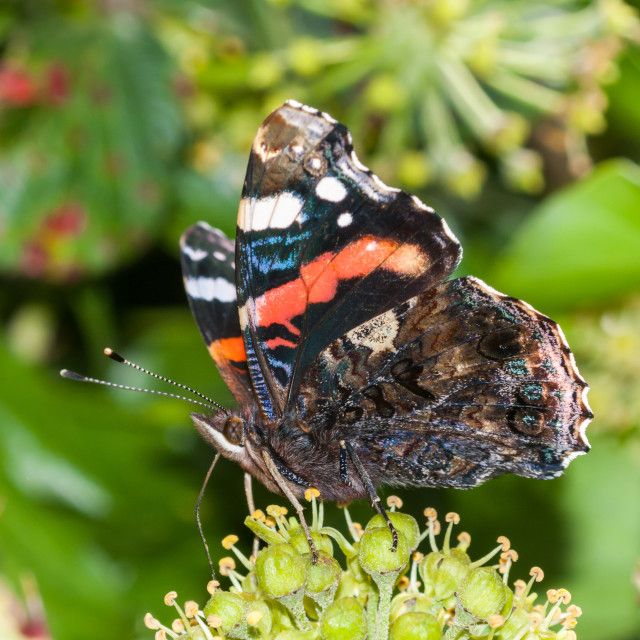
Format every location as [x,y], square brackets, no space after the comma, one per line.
[451,388]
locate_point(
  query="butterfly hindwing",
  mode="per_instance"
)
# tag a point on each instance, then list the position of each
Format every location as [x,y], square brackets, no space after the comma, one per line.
[451,388]
[208,268]
[323,245]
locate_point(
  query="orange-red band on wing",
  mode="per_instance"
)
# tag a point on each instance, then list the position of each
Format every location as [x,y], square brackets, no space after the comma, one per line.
[319,279]
[228,349]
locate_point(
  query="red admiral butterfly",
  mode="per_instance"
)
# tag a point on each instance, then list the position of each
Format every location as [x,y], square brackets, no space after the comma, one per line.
[354,360]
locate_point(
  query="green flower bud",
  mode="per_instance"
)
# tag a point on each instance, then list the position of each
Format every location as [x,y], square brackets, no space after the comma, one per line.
[415,626]
[323,575]
[375,551]
[299,541]
[428,569]
[409,602]
[518,620]
[231,608]
[403,523]
[352,587]
[482,593]
[264,617]
[280,570]
[343,619]
[450,573]
[296,634]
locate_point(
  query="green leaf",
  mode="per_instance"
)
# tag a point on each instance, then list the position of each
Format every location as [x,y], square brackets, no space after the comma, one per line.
[601,497]
[580,246]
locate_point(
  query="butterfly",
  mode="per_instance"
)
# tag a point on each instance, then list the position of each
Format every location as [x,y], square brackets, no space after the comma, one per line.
[355,360]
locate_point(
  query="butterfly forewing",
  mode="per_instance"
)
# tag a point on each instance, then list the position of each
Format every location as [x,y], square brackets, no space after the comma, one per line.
[208,269]
[323,245]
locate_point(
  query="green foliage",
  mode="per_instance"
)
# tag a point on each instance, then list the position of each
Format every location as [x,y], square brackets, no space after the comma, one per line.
[123,122]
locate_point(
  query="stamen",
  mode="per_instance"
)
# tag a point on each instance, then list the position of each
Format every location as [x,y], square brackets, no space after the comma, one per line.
[170,598]
[229,543]
[191,608]
[464,540]
[394,502]
[451,518]
[212,585]
[150,622]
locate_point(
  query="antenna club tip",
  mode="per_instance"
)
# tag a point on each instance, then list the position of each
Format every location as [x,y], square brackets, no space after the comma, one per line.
[71,375]
[110,353]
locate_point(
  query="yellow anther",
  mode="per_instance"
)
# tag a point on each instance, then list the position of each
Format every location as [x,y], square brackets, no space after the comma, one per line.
[552,595]
[311,493]
[436,527]
[212,585]
[270,522]
[227,565]
[403,583]
[570,623]
[177,625]
[191,608]
[574,611]
[464,538]
[519,587]
[452,516]
[229,541]
[564,596]
[495,621]
[357,527]
[537,574]
[161,634]
[536,618]
[510,554]
[274,510]
[417,557]
[430,513]
[214,621]
[253,617]
[150,622]
[170,598]
[258,514]
[394,502]
[505,542]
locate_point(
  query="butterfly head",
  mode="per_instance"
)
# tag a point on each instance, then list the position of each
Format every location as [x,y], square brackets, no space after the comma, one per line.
[235,438]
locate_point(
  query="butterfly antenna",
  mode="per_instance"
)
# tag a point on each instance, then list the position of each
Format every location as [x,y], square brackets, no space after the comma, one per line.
[116,357]
[78,377]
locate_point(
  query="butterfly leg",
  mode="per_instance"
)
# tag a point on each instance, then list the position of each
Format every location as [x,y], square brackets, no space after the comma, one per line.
[376,503]
[251,505]
[284,487]
[203,488]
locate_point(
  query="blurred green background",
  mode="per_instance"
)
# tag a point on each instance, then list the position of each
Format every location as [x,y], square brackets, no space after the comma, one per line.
[124,121]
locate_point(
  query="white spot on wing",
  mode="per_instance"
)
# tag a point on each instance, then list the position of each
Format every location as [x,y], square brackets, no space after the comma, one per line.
[273,212]
[377,334]
[209,289]
[194,254]
[331,189]
[345,219]
[218,255]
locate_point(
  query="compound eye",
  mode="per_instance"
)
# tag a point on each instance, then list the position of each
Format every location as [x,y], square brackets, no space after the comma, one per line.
[233,429]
